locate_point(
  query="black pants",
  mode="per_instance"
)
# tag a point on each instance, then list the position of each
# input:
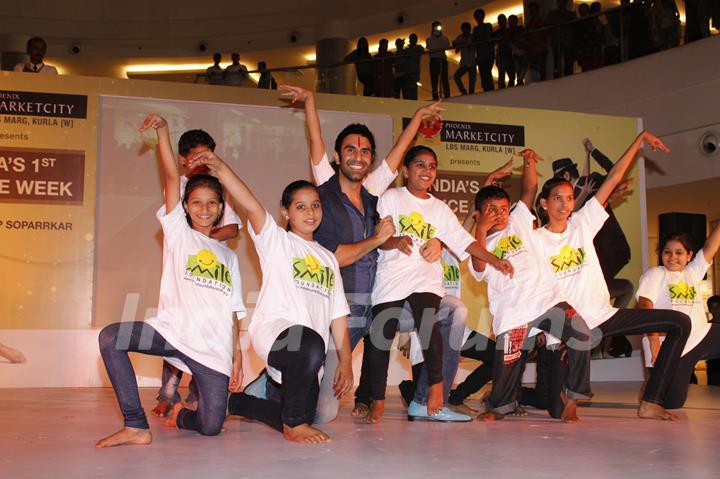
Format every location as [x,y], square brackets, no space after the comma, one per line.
[298,353]
[439,73]
[481,348]
[551,374]
[485,70]
[708,348]
[563,322]
[424,308]
[676,327]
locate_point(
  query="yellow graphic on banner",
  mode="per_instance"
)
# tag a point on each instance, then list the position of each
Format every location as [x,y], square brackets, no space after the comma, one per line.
[507,245]
[414,225]
[682,291]
[568,259]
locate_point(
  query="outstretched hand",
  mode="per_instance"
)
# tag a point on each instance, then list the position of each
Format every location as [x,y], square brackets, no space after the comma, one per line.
[499,174]
[294,94]
[434,110]
[206,159]
[654,142]
[530,155]
[153,120]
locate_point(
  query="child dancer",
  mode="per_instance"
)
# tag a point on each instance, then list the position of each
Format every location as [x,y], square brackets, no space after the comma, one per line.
[404,276]
[301,300]
[190,143]
[569,253]
[518,314]
[199,292]
[676,285]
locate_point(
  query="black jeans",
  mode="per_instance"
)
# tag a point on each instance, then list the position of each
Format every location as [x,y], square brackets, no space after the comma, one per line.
[116,340]
[563,322]
[708,348]
[298,353]
[481,348]
[424,307]
[676,327]
[551,373]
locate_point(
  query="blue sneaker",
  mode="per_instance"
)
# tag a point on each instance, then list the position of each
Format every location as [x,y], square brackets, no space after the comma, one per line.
[419,411]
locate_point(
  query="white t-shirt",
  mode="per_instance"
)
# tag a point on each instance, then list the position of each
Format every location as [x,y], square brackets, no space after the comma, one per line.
[199,290]
[532,290]
[679,291]
[301,285]
[376,182]
[571,257]
[399,275]
[230,217]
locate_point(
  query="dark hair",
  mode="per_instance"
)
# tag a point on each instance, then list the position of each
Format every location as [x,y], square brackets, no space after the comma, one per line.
[362,46]
[490,192]
[681,237]
[354,129]
[415,151]
[290,190]
[550,184]
[479,13]
[36,40]
[715,299]
[204,181]
[465,26]
[192,138]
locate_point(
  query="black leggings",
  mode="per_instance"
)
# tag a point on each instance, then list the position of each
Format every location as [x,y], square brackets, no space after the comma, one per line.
[298,353]
[708,348]
[676,327]
[481,348]
[424,308]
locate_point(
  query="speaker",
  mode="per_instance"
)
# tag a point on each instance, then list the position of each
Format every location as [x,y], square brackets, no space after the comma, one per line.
[695,225]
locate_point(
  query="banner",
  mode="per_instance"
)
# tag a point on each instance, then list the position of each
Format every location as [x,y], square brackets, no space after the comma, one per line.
[47,210]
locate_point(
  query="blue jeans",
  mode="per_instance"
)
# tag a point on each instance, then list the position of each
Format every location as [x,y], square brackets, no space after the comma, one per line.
[168,391]
[451,317]
[116,340]
[358,328]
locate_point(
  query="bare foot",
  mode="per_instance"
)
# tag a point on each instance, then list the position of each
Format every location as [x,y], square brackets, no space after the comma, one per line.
[518,412]
[171,421]
[306,434]
[491,416]
[360,410]
[375,412]
[648,410]
[569,414]
[126,435]
[435,399]
[12,354]
[161,409]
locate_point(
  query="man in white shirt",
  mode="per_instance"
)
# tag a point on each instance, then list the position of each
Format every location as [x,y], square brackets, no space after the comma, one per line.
[36,49]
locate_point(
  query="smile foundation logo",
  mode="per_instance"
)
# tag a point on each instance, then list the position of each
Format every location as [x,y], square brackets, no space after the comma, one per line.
[310,274]
[205,270]
[451,274]
[508,246]
[682,292]
[414,225]
[568,261]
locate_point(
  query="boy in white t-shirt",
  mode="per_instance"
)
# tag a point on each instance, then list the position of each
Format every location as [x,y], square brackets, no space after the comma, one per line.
[190,143]
[528,302]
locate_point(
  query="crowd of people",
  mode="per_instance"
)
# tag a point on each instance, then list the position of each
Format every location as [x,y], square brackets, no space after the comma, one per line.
[237,74]
[533,50]
[358,261]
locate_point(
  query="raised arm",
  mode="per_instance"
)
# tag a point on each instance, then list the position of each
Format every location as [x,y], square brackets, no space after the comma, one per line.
[712,244]
[499,174]
[395,157]
[620,168]
[241,194]
[602,160]
[168,164]
[312,121]
[529,179]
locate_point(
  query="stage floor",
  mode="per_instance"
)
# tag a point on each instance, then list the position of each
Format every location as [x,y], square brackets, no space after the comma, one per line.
[50,433]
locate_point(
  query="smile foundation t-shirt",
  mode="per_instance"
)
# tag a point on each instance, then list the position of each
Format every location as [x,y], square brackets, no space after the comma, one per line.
[199,290]
[301,285]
